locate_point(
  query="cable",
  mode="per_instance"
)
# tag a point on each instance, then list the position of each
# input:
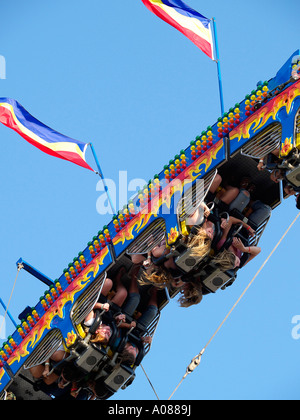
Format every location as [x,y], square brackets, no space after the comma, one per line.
[197,359]
[149,381]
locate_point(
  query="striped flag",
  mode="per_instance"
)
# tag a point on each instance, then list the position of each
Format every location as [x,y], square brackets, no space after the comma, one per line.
[192,24]
[14,116]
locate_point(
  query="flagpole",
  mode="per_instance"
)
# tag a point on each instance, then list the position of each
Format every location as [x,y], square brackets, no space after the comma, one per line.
[217,60]
[100,173]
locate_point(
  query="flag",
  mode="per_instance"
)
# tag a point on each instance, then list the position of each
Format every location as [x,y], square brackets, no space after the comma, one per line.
[14,116]
[189,22]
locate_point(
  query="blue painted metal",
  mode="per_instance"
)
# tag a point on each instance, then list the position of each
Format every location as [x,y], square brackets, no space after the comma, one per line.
[34,272]
[218,65]
[5,379]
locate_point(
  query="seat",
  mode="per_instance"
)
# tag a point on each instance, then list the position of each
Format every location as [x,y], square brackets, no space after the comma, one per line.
[215,218]
[90,358]
[118,378]
[238,215]
[213,278]
[122,374]
[90,354]
[293,177]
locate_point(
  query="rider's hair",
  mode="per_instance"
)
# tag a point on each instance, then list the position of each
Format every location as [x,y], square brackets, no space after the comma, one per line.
[225,260]
[199,243]
[191,294]
[159,277]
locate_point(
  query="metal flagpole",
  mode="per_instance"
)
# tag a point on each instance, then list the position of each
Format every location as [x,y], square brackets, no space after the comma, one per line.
[217,60]
[100,173]
[8,313]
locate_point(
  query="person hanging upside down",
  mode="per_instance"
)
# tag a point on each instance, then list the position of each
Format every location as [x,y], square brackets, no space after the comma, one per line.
[231,258]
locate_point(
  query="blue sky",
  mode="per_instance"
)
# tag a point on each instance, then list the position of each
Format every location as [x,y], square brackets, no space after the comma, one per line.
[114,74]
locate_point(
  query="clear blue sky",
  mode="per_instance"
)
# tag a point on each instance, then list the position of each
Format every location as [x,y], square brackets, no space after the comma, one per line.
[114,74]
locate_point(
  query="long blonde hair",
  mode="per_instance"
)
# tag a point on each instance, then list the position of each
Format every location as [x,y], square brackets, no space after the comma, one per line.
[159,277]
[199,243]
[191,294]
[225,260]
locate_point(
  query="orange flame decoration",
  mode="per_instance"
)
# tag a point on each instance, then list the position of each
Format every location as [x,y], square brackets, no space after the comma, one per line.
[270,110]
[71,338]
[79,283]
[286,147]
[193,172]
[173,235]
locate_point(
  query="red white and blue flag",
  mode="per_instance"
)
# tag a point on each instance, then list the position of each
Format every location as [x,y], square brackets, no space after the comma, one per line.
[192,24]
[14,116]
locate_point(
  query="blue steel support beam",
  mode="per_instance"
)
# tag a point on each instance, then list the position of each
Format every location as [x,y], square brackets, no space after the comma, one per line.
[36,273]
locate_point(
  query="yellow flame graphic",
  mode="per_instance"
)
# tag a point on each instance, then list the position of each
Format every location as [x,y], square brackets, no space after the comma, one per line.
[270,110]
[57,309]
